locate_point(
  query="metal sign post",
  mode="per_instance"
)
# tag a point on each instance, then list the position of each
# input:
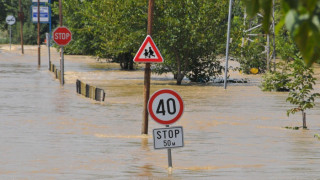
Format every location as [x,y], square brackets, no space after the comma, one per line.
[39,53]
[10,36]
[10,21]
[48,45]
[169,158]
[62,66]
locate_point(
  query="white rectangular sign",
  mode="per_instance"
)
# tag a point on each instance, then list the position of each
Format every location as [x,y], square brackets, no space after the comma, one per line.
[44,14]
[42,1]
[165,138]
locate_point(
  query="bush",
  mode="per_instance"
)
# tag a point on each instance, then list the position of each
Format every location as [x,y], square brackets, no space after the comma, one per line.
[252,57]
[276,81]
[204,69]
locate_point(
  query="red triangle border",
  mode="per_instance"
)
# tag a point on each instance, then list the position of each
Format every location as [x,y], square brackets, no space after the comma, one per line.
[154,47]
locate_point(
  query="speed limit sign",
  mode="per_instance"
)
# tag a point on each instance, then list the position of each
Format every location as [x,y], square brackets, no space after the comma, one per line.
[165,106]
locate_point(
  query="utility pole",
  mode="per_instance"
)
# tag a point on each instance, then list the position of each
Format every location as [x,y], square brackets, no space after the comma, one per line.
[227,46]
[268,52]
[39,59]
[60,12]
[147,75]
[21,17]
[274,37]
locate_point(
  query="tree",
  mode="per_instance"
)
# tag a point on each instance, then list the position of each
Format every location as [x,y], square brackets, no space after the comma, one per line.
[75,17]
[3,14]
[187,31]
[106,28]
[302,19]
[300,89]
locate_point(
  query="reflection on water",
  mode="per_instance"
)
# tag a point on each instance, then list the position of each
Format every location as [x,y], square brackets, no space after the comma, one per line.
[49,132]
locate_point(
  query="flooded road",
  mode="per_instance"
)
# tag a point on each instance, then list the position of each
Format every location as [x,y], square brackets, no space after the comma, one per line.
[49,132]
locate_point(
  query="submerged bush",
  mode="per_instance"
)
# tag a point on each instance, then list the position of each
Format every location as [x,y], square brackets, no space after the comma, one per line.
[275,80]
[205,69]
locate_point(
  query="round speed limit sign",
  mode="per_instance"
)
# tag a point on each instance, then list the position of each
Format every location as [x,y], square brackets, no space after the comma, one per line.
[165,106]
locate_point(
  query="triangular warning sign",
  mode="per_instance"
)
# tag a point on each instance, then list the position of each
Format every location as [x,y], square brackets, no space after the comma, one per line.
[148,52]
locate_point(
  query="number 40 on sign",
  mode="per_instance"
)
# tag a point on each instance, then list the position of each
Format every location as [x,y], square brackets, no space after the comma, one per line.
[165,106]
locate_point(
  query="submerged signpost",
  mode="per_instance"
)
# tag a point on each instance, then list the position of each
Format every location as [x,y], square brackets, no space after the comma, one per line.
[48,46]
[62,36]
[10,21]
[40,13]
[166,107]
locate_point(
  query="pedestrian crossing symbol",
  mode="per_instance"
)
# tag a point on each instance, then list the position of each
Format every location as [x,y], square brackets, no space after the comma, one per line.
[148,52]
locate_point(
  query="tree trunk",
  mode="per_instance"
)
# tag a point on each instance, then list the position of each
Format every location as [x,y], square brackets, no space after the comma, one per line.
[179,74]
[175,76]
[121,65]
[130,65]
[304,121]
[179,78]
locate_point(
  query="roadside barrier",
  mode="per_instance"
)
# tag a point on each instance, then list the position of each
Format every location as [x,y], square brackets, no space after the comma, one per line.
[56,71]
[90,91]
[82,88]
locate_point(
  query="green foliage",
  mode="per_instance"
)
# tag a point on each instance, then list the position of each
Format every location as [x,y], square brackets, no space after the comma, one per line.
[285,46]
[250,53]
[302,19]
[188,31]
[252,57]
[3,14]
[276,80]
[106,28]
[300,87]
[75,18]
[185,31]
[204,69]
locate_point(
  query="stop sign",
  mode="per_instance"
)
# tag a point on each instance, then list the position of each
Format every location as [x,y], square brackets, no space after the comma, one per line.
[62,36]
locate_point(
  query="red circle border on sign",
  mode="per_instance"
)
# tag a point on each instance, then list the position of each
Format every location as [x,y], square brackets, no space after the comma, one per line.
[153,97]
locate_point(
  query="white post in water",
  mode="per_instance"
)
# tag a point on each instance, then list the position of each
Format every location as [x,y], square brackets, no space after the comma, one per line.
[48,45]
[227,48]
[169,159]
[62,66]
[10,21]
[10,36]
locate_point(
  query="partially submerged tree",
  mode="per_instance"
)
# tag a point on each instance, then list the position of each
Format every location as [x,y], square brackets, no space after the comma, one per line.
[188,31]
[301,87]
[107,28]
[277,80]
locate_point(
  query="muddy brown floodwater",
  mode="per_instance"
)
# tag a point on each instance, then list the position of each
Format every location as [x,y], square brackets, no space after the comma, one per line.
[49,132]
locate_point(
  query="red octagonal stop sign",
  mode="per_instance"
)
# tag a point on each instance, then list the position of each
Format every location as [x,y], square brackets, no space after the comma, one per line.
[62,36]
